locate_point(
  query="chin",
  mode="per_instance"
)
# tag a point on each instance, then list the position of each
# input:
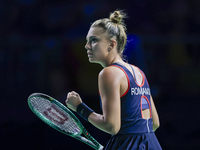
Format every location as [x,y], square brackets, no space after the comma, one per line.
[93,61]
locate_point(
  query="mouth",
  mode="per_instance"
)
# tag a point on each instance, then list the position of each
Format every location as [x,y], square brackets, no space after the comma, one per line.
[89,54]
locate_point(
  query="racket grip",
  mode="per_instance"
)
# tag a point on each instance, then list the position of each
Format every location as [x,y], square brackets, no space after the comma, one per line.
[84,111]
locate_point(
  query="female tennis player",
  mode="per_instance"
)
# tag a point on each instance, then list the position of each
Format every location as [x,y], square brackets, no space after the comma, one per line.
[128,110]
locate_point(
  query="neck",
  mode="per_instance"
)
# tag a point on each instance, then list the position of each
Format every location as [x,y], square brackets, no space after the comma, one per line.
[111,61]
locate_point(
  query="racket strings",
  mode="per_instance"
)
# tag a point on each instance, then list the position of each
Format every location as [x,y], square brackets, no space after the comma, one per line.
[54,115]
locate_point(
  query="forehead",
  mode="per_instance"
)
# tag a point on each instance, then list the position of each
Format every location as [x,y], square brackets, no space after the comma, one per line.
[95,31]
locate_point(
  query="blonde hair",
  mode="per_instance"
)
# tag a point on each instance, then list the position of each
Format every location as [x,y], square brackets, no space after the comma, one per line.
[114,26]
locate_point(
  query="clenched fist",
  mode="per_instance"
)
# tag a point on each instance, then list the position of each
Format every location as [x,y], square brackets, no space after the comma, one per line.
[73,100]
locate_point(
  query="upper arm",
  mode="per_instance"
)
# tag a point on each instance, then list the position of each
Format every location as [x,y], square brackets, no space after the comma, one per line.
[109,88]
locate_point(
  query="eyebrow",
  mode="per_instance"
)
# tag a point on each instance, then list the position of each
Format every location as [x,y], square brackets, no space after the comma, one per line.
[91,37]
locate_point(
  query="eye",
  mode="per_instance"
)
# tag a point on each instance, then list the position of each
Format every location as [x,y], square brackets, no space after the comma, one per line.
[93,40]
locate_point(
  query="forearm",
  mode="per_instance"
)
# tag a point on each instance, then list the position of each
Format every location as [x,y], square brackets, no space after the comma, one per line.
[156,122]
[155,127]
[99,122]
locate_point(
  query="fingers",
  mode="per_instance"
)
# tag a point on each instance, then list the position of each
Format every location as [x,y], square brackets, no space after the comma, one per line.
[73,100]
[74,93]
[71,94]
[68,96]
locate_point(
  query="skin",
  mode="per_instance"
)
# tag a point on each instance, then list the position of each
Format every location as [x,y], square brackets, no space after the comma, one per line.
[112,83]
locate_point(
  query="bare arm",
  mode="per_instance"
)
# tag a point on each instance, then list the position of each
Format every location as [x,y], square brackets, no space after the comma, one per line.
[109,88]
[156,122]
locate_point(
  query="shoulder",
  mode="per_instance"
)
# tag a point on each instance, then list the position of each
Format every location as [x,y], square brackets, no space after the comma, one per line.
[110,72]
[111,75]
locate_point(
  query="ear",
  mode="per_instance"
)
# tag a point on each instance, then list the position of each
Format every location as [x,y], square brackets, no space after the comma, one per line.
[113,44]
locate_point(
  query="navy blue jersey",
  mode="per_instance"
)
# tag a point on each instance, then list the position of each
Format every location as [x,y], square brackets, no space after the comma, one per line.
[133,127]
[131,105]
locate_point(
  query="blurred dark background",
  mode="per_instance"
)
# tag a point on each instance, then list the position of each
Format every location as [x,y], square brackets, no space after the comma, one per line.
[42,50]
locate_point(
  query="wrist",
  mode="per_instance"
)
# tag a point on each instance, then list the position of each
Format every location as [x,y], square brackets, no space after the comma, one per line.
[84,111]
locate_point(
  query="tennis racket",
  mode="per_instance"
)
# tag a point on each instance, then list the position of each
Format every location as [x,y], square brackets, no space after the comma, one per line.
[59,117]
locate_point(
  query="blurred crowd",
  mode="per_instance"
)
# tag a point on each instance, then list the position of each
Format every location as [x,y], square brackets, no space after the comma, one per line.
[42,50]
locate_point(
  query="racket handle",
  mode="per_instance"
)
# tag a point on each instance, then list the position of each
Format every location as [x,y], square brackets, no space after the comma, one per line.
[90,143]
[101,147]
[97,144]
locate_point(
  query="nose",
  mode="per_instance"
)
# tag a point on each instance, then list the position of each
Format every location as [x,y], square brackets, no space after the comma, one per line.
[87,45]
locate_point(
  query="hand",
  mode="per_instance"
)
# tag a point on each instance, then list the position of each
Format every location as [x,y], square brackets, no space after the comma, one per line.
[73,100]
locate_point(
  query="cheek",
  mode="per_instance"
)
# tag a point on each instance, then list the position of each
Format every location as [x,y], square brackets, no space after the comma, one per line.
[99,50]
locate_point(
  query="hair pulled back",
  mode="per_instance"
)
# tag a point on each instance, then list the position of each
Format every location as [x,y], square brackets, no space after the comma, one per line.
[114,26]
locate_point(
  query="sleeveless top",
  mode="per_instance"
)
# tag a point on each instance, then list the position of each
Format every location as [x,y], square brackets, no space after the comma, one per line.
[133,101]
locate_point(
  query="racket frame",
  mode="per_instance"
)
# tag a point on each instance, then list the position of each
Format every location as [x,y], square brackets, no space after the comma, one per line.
[89,140]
